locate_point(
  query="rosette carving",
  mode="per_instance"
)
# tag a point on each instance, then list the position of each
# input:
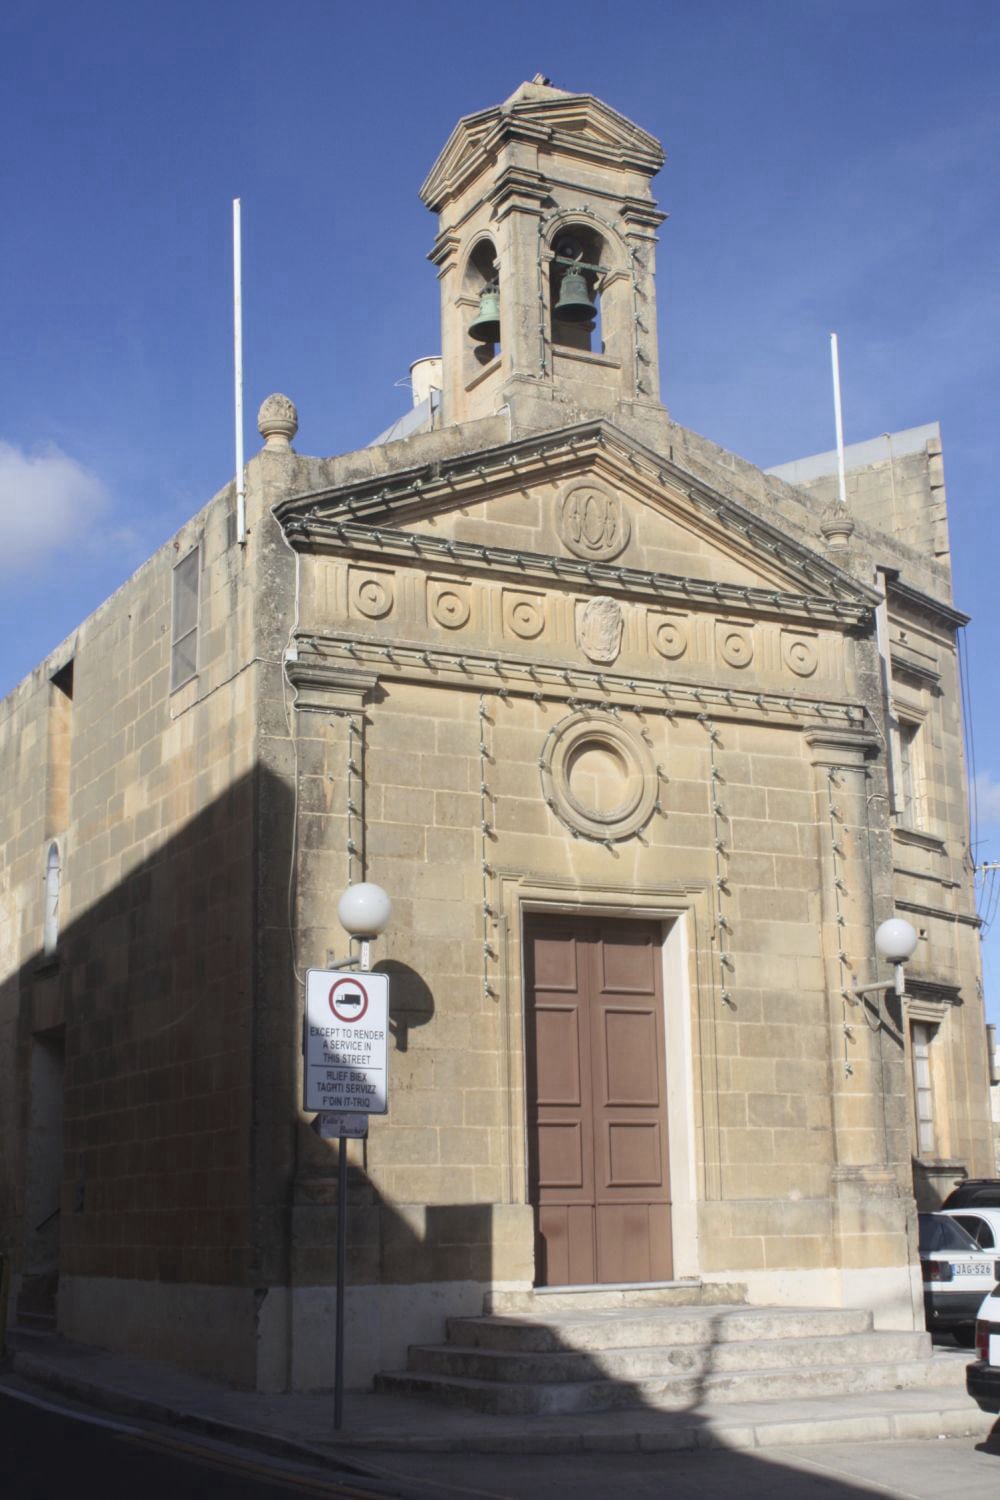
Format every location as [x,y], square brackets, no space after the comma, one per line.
[372,594]
[799,654]
[524,614]
[669,634]
[735,644]
[450,604]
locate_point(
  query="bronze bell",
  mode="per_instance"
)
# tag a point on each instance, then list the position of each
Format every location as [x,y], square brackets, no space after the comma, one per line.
[575,303]
[485,329]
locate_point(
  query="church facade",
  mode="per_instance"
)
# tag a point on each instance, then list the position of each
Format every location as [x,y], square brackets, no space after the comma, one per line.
[642,742]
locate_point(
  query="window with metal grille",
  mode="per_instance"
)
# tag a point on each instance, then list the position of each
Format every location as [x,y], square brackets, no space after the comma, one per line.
[184,628]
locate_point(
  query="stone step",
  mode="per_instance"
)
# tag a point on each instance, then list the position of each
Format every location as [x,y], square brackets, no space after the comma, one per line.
[541,1301]
[652,1362]
[679,1392]
[641,1327]
[35,1322]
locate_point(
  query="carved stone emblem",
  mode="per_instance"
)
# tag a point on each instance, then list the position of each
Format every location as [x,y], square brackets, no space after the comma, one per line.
[593,522]
[599,629]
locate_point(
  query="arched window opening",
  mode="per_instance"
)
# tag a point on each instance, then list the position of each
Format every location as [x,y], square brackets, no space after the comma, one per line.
[50,919]
[575,278]
[482,281]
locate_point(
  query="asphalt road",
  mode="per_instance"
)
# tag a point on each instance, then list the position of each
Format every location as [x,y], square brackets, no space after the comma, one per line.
[54,1447]
[50,1448]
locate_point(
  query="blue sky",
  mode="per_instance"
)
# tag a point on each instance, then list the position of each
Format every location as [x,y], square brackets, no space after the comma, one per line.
[829,167]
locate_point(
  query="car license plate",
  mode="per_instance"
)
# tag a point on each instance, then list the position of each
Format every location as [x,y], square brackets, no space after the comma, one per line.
[994,1349]
[971,1268]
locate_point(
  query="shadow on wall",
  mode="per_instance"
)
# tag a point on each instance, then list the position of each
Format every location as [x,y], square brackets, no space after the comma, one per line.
[149,1067]
[153,1060]
[131,1051]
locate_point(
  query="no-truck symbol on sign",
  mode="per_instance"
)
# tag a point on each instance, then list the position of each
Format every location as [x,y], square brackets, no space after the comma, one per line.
[346,1043]
[348,1000]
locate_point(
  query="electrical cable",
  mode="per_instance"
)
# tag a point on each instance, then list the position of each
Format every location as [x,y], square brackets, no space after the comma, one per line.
[965,695]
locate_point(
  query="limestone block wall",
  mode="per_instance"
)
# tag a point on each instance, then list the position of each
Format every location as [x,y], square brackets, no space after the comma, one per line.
[895,485]
[768,1122]
[143,1007]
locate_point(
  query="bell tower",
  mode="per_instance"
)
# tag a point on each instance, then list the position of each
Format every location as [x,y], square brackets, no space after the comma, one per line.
[546,253]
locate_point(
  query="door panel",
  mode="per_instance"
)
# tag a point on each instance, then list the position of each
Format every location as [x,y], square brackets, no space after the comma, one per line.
[631,1072]
[558,1032]
[597,1101]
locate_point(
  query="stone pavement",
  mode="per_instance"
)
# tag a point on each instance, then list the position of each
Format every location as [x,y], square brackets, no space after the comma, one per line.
[302,1425]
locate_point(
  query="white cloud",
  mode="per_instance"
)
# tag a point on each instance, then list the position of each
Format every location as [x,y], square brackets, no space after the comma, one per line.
[48,501]
[987,798]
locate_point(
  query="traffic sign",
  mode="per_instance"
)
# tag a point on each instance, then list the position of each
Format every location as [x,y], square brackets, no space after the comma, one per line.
[346,1042]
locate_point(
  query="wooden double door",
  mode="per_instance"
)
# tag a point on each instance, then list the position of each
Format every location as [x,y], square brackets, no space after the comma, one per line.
[597,1103]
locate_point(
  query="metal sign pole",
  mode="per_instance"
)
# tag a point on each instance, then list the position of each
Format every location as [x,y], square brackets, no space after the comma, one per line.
[338,1377]
[345,1080]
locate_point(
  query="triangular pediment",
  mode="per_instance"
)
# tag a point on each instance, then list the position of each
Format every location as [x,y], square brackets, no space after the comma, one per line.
[570,124]
[587,504]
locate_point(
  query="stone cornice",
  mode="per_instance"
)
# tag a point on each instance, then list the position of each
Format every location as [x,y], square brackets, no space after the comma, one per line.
[575,125]
[434,486]
[920,909]
[933,990]
[506,674]
[361,540]
[935,609]
[830,747]
[324,685]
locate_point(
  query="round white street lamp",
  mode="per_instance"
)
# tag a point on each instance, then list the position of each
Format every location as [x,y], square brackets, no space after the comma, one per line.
[895,940]
[364,911]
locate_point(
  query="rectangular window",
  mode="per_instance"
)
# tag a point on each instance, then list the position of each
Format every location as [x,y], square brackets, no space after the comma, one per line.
[922,1034]
[184,629]
[909,793]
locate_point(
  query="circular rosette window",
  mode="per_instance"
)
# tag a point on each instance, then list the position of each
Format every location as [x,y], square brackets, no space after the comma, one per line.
[598,778]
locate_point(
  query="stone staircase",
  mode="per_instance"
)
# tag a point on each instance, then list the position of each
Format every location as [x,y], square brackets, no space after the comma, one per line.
[35,1311]
[662,1348]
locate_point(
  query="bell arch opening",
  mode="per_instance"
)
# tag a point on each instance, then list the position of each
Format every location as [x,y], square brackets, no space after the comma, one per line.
[481,297]
[577,272]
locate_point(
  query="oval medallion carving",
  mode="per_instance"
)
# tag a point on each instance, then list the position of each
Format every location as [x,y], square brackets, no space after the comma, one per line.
[593,522]
[599,629]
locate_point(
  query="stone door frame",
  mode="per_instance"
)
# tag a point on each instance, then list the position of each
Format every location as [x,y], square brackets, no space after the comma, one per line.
[690,1043]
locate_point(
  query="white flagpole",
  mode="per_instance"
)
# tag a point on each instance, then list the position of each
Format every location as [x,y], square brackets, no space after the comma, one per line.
[835,357]
[241,494]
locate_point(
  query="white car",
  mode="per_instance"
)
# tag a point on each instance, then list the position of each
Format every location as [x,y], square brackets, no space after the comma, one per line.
[982,1223]
[957,1275]
[982,1379]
